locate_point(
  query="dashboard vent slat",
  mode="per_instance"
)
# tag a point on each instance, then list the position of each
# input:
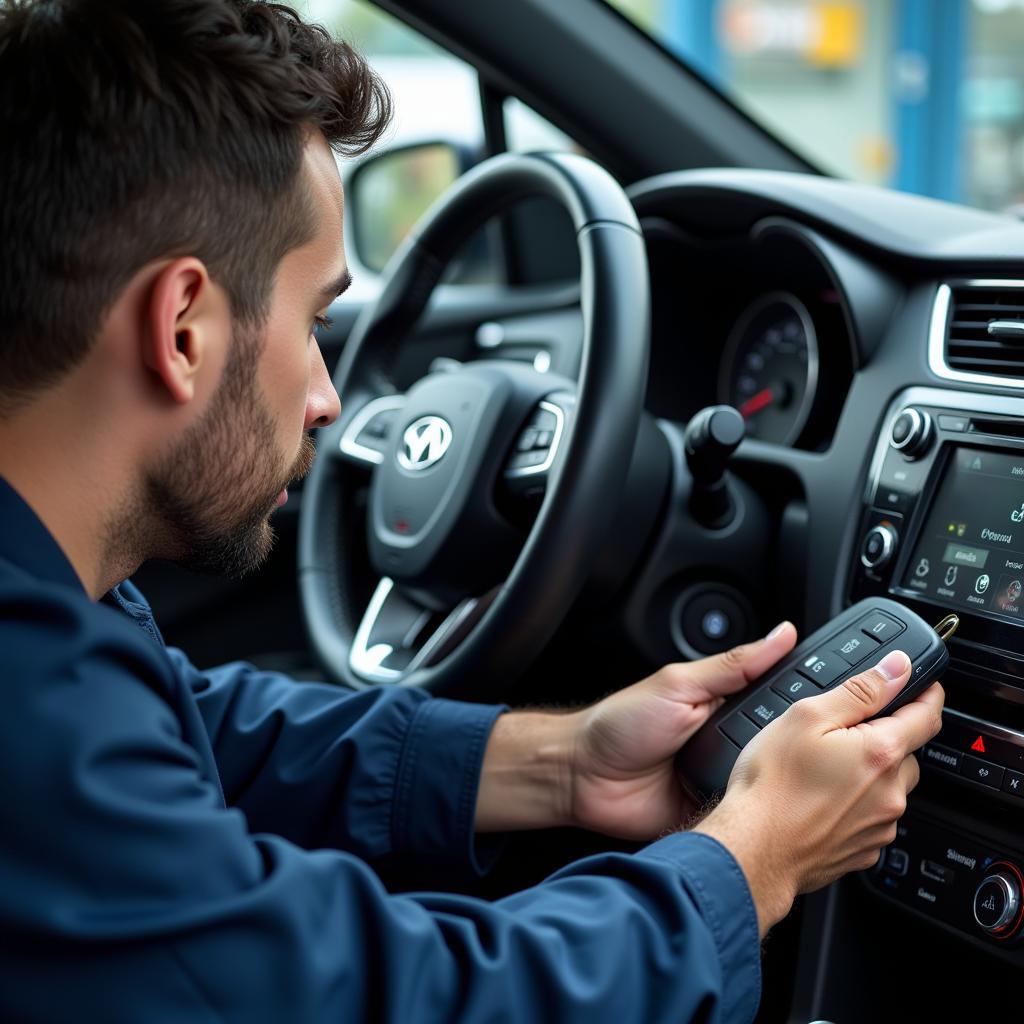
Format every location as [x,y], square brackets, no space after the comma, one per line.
[969,348]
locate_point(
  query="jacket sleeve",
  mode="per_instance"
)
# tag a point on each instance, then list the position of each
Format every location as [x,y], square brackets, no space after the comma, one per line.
[129,892]
[389,774]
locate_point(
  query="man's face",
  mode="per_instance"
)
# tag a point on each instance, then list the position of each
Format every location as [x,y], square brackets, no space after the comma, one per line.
[215,491]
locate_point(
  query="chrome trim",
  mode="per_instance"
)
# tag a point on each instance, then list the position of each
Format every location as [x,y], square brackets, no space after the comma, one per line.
[1011,902]
[937,334]
[1011,330]
[888,546]
[366,662]
[918,433]
[434,453]
[348,444]
[552,451]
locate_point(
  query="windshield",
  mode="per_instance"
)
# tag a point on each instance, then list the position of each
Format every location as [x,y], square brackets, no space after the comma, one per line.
[921,95]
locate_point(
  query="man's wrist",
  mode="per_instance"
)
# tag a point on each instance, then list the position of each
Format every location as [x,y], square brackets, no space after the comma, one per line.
[526,777]
[773,885]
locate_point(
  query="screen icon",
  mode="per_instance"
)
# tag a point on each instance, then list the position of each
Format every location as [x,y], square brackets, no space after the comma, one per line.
[981,584]
[922,569]
[1017,515]
[951,575]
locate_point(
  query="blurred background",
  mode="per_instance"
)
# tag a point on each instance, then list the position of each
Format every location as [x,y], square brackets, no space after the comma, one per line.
[925,96]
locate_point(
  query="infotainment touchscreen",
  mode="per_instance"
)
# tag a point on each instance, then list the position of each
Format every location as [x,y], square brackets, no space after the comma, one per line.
[970,552]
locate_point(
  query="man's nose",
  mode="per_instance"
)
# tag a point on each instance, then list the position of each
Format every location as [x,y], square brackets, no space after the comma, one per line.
[323,404]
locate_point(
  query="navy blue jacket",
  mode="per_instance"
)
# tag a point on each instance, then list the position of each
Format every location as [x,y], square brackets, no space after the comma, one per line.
[178,845]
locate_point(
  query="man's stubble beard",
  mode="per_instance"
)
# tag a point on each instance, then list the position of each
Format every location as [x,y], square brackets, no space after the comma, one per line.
[210,499]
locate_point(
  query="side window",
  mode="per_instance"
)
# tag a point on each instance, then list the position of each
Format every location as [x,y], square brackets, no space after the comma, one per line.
[436,134]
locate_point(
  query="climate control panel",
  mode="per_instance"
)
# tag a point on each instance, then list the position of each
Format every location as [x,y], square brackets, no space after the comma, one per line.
[954,878]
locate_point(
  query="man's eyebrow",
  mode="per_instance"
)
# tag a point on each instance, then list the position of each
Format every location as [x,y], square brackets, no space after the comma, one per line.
[335,288]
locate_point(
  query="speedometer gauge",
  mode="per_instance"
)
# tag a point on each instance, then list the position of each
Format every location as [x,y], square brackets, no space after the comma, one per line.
[769,368]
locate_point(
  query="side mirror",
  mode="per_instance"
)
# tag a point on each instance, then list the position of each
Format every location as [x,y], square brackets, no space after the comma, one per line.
[389,191]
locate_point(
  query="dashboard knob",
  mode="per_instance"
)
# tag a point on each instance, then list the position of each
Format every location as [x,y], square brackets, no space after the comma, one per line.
[878,546]
[997,902]
[911,432]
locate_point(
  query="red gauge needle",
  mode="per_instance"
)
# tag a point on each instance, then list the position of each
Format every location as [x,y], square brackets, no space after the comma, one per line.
[755,404]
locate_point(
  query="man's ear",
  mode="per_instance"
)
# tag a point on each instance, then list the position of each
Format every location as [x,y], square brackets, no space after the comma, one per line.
[187,326]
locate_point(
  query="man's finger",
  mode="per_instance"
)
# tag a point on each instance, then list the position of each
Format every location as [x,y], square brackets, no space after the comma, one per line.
[914,724]
[733,669]
[864,694]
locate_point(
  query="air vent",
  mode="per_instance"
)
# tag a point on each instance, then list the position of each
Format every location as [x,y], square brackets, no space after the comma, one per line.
[983,336]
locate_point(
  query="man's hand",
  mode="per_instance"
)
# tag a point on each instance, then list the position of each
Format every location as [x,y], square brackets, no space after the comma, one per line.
[623,776]
[609,767]
[818,792]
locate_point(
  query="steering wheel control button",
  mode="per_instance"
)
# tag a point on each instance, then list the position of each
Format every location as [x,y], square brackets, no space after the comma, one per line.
[793,687]
[911,432]
[739,729]
[823,668]
[996,902]
[880,627]
[878,546]
[938,756]
[764,708]
[985,772]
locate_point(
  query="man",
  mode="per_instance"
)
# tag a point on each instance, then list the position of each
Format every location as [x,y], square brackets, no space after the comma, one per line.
[179,845]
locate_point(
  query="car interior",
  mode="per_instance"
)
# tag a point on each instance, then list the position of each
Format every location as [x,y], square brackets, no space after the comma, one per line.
[557,325]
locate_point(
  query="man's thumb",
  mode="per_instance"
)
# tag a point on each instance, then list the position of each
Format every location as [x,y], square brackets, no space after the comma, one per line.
[866,693]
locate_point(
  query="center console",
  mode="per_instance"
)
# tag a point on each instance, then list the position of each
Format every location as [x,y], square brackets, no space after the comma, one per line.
[942,529]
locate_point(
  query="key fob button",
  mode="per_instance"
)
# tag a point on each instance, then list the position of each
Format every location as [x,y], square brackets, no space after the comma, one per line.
[880,627]
[823,668]
[764,707]
[853,647]
[793,687]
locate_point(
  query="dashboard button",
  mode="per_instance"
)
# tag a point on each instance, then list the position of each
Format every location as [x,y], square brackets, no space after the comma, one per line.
[938,756]
[911,432]
[878,546]
[956,424]
[996,902]
[1013,783]
[896,861]
[985,772]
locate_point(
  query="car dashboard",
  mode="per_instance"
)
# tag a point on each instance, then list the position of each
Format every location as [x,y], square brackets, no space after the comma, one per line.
[872,342]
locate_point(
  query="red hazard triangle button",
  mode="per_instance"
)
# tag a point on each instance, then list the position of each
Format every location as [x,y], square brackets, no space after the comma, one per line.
[979,745]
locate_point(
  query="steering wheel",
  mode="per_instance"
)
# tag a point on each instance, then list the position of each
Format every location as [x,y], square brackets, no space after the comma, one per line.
[473,578]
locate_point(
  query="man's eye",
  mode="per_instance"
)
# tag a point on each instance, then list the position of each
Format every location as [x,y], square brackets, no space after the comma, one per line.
[321,323]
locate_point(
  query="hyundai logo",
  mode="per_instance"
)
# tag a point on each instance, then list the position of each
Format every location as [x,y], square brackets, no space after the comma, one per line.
[424,442]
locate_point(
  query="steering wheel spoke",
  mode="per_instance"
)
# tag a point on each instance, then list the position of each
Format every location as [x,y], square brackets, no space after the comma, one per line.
[398,635]
[367,434]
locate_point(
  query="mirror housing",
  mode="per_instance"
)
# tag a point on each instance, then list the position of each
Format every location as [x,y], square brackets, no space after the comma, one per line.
[388,192]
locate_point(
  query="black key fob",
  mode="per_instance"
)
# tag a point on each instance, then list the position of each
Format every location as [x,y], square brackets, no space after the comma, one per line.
[853,641]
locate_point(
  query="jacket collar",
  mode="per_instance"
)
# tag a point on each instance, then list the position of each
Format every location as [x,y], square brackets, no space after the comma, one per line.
[26,542]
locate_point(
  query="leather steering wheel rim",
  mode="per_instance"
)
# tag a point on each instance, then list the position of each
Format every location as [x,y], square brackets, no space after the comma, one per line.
[586,480]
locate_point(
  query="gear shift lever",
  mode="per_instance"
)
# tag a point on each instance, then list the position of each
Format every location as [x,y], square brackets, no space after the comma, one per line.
[711,438]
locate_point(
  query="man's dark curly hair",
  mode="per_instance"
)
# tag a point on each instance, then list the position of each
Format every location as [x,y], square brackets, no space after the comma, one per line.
[137,130]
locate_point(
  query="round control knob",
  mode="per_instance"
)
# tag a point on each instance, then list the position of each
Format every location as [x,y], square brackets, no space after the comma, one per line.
[879,544]
[997,902]
[911,432]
